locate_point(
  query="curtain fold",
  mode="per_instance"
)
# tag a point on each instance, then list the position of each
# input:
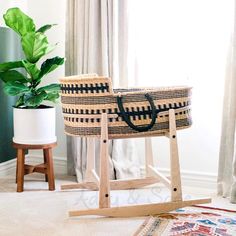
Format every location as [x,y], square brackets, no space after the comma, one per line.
[227,160]
[96,42]
[10,50]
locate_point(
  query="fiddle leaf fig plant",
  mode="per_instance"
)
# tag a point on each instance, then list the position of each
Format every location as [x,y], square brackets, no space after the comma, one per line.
[35,45]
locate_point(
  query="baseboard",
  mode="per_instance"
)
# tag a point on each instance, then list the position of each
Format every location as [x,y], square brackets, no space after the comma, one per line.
[192,178]
[189,178]
[9,167]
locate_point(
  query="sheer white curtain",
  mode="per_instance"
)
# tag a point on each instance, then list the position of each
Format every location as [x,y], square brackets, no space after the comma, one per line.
[227,161]
[185,42]
[97,37]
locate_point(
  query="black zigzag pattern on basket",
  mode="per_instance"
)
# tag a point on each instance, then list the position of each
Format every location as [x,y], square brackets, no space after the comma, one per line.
[161,95]
[120,118]
[133,111]
[85,88]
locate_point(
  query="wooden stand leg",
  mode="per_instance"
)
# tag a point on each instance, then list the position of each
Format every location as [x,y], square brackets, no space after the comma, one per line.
[20,169]
[90,167]
[50,171]
[104,188]
[176,190]
[45,162]
[148,156]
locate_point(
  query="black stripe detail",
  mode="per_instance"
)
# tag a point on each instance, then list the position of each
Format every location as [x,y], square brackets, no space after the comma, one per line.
[85,88]
[120,118]
[128,98]
[138,113]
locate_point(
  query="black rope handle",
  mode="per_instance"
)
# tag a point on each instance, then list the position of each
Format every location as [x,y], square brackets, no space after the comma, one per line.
[127,118]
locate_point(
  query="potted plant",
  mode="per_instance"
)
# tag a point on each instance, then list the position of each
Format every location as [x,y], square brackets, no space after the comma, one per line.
[34,122]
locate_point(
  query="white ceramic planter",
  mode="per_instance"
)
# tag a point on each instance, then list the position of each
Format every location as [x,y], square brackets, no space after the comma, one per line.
[34,126]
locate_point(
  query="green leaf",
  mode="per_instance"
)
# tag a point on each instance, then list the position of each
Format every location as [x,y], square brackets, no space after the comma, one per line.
[32,69]
[50,88]
[10,65]
[52,96]
[52,92]
[20,101]
[50,65]
[15,88]
[44,28]
[18,21]
[12,75]
[35,45]
[36,100]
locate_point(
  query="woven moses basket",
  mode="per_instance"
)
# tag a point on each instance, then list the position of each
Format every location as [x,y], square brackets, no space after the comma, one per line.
[136,112]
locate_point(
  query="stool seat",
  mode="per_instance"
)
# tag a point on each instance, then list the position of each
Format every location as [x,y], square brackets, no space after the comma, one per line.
[34,146]
[44,168]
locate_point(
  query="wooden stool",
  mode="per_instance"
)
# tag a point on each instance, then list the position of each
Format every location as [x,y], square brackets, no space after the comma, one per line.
[44,168]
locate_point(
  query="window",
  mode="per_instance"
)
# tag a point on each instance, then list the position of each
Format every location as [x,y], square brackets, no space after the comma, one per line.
[185,42]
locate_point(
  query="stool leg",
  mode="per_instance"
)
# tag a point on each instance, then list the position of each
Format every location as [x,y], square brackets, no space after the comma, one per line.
[20,169]
[148,156]
[50,171]
[45,162]
[16,170]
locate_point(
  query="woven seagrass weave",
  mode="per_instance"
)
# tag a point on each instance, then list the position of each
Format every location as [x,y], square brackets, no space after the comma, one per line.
[84,98]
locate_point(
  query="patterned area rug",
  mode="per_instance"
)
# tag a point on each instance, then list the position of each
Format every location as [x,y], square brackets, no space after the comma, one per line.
[190,221]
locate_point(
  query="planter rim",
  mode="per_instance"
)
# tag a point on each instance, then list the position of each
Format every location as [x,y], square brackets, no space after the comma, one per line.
[39,108]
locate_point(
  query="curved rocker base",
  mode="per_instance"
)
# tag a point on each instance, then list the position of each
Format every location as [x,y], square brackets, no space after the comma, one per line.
[139,210]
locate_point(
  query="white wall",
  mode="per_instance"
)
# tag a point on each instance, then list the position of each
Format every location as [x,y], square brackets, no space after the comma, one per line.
[5,4]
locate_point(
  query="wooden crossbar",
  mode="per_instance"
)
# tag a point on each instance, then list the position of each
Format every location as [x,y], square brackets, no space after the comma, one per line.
[41,168]
[114,184]
[159,175]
